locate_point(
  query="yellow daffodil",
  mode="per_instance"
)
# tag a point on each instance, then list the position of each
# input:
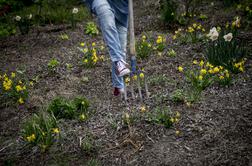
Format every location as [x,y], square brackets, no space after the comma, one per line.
[135,77]
[19,88]
[93,44]
[159,53]
[203,71]
[176,120]
[195,62]
[216,70]
[7,84]
[177,132]
[31,138]
[142,109]
[31,83]
[190,29]
[85,50]
[21,100]
[227,75]
[13,75]
[55,130]
[82,44]
[201,63]
[82,117]
[241,69]
[210,71]
[127,80]
[178,114]
[180,69]
[174,37]
[149,45]
[221,77]
[141,75]
[194,25]
[143,37]
[85,61]
[200,77]
[172,120]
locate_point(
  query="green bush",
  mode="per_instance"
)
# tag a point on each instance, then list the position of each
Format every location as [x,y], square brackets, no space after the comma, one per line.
[168,11]
[69,109]
[225,49]
[91,29]
[178,95]
[40,130]
[161,116]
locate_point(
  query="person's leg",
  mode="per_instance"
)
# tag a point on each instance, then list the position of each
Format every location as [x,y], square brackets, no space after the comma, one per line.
[106,18]
[122,31]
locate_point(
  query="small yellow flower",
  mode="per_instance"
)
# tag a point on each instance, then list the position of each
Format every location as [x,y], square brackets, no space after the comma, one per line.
[201,63]
[227,75]
[31,83]
[210,71]
[190,29]
[177,132]
[82,117]
[195,62]
[13,75]
[172,120]
[221,68]
[141,75]
[174,37]
[127,80]
[241,69]
[20,82]
[194,25]
[82,44]
[149,45]
[31,138]
[55,130]
[135,77]
[221,77]
[85,60]
[85,50]
[143,37]
[176,120]
[159,53]
[200,77]
[177,114]
[19,88]
[216,70]
[203,71]
[21,100]
[93,44]
[180,69]
[142,109]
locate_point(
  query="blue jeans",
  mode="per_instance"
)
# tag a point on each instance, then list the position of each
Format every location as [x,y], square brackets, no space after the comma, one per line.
[113,20]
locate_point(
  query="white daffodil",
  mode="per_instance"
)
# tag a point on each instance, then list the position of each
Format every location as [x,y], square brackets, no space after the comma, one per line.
[17,18]
[228,37]
[75,10]
[30,16]
[213,34]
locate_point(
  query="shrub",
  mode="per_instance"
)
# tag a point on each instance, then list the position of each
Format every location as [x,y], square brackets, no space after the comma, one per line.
[178,95]
[168,11]
[144,47]
[69,109]
[91,29]
[13,89]
[41,130]
[161,116]
[194,33]
[224,49]
[53,64]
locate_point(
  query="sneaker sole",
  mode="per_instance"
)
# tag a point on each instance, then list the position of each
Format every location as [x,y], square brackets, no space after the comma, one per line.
[124,72]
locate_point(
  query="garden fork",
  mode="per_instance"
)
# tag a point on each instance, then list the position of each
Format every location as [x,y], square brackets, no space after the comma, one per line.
[134,70]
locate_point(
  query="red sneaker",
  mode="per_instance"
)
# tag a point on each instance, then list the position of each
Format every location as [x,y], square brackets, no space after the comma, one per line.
[118,91]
